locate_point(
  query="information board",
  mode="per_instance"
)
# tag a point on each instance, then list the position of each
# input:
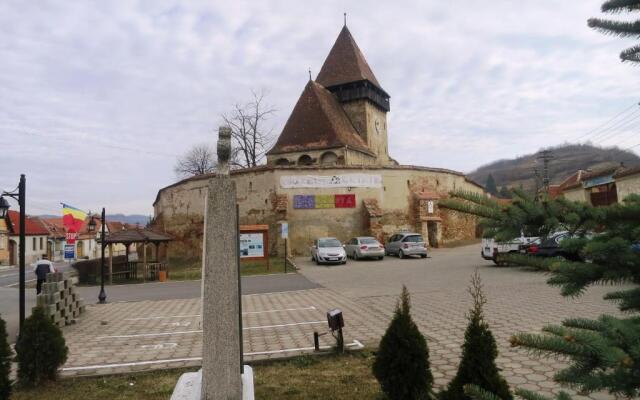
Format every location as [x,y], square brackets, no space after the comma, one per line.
[69,251]
[251,245]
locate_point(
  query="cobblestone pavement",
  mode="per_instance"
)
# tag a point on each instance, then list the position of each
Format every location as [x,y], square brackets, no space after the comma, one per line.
[122,337]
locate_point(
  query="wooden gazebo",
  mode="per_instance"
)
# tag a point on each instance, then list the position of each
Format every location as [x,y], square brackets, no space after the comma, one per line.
[150,268]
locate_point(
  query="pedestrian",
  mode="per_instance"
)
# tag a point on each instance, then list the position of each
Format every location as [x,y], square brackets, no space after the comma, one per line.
[41,269]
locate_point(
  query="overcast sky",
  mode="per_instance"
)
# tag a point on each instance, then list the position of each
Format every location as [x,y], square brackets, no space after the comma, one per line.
[97,98]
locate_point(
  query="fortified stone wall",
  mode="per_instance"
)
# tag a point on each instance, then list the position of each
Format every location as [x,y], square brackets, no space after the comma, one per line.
[179,208]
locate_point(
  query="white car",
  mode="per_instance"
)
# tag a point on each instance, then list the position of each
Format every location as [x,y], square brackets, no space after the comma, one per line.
[491,248]
[328,250]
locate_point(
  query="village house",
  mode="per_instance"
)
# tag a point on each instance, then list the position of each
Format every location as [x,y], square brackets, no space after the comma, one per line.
[4,243]
[35,234]
[330,172]
[602,187]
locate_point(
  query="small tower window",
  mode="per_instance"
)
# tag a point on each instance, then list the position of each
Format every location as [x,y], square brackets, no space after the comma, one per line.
[328,158]
[305,159]
[282,161]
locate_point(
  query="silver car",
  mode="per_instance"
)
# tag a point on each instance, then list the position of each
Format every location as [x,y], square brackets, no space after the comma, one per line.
[328,251]
[364,247]
[406,244]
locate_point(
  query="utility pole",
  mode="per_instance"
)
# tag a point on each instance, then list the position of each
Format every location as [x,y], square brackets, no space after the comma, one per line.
[546,156]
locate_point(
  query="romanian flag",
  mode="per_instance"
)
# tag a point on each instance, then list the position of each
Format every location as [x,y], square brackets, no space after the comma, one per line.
[72,219]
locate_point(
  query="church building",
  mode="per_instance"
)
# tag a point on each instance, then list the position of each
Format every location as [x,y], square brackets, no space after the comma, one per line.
[330,173]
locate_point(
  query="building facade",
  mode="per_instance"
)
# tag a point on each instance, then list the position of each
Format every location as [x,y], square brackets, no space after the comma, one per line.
[330,173]
[603,187]
[35,238]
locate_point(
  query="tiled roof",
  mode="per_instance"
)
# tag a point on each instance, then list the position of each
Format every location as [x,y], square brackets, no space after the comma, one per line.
[317,122]
[427,195]
[137,236]
[33,225]
[345,63]
[627,172]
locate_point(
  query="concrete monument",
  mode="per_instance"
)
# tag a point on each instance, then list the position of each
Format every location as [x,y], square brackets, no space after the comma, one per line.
[222,376]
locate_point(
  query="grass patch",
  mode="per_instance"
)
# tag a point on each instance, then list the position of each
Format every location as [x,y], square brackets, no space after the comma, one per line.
[182,269]
[335,377]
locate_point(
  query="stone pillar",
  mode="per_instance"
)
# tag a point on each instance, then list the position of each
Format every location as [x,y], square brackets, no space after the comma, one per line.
[221,379]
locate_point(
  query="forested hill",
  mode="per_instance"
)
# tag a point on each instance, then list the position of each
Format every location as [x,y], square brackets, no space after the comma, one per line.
[567,159]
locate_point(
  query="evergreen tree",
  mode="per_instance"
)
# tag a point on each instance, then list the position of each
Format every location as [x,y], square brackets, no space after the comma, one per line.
[402,362]
[505,193]
[5,362]
[41,350]
[490,186]
[623,29]
[604,353]
[479,351]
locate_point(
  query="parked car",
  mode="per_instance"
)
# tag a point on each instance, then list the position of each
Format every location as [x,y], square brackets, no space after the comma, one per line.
[328,250]
[491,249]
[550,247]
[406,244]
[364,247]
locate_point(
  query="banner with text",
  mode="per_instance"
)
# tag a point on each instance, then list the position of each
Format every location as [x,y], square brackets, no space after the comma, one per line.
[331,181]
[311,202]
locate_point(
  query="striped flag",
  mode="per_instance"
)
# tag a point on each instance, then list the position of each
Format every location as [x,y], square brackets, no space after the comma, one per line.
[72,219]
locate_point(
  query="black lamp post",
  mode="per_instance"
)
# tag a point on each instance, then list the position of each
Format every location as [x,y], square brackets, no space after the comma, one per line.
[19,195]
[102,297]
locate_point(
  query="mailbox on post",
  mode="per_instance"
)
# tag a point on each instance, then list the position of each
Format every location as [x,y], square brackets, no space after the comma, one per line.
[334,318]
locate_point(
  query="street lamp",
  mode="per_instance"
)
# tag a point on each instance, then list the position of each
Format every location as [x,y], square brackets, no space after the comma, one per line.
[19,194]
[102,297]
[91,227]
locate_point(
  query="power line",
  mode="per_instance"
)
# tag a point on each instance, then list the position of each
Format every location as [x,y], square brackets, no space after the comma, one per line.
[606,123]
[604,135]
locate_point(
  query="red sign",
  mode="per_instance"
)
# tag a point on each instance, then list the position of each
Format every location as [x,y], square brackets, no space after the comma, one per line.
[345,201]
[71,237]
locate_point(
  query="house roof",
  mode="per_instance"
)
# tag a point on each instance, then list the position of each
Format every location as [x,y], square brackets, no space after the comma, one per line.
[54,226]
[33,226]
[627,172]
[318,122]
[345,63]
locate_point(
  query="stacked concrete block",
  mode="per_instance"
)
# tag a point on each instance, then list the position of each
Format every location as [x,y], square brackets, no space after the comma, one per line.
[59,299]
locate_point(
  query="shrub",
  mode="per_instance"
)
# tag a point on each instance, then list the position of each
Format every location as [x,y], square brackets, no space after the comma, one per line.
[41,350]
[5,362]
[402,362]
[479,351]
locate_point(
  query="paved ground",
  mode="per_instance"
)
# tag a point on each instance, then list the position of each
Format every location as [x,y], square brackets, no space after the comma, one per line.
[192,289]
[160,334]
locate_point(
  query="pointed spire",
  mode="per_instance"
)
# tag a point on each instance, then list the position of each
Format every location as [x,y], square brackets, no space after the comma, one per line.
[345,63]
[345,19]
[310,78]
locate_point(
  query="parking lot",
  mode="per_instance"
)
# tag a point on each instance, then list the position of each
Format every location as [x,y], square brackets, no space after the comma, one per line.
[144,335]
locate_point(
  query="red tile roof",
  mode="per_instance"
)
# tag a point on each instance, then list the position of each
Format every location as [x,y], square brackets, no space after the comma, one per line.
[33,226]
[345,63]
[627,172]
[318,122]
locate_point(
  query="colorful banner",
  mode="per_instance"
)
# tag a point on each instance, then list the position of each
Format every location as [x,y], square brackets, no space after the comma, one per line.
[328,181]
[324,201]
[72,220]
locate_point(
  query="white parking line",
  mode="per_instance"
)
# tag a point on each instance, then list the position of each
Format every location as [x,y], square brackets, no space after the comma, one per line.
[356,344]
[200,331]
[244,313]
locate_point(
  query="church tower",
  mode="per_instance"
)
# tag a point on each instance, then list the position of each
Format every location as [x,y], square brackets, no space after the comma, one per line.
[347,75]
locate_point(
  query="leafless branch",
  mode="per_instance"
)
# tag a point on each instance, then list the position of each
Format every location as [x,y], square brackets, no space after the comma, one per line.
[200,159]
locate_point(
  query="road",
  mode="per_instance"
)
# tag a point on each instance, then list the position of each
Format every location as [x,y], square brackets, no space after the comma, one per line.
[10,276]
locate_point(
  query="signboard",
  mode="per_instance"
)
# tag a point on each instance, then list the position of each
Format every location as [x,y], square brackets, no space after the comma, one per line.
[71,237]
[69,251]
[251,245]
[430,207]
[284,230]
[320,201]
[331,181]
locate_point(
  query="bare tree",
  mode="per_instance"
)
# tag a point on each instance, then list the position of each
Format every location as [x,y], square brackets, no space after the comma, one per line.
[200,159]
[251,138]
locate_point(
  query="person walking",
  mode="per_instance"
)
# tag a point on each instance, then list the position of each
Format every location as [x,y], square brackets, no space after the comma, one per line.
[41,269]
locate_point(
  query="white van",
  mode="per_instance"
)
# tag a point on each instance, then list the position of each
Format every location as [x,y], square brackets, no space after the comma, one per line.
[491,248]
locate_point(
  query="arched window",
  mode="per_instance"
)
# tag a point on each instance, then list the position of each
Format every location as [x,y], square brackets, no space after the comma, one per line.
[305,159]
[282,161]
[328,158]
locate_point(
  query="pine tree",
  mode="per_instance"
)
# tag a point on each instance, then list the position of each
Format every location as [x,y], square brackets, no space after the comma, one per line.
[5,362]
[490,186]
[604,353]
[402,362]
[479,351]
[622,29]
[505,193]
[41,350]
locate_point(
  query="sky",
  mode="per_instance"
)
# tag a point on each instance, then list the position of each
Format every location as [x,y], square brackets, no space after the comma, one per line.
[99,98]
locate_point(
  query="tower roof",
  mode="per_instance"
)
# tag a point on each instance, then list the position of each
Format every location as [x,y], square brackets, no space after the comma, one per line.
[317,122]
[345,63]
